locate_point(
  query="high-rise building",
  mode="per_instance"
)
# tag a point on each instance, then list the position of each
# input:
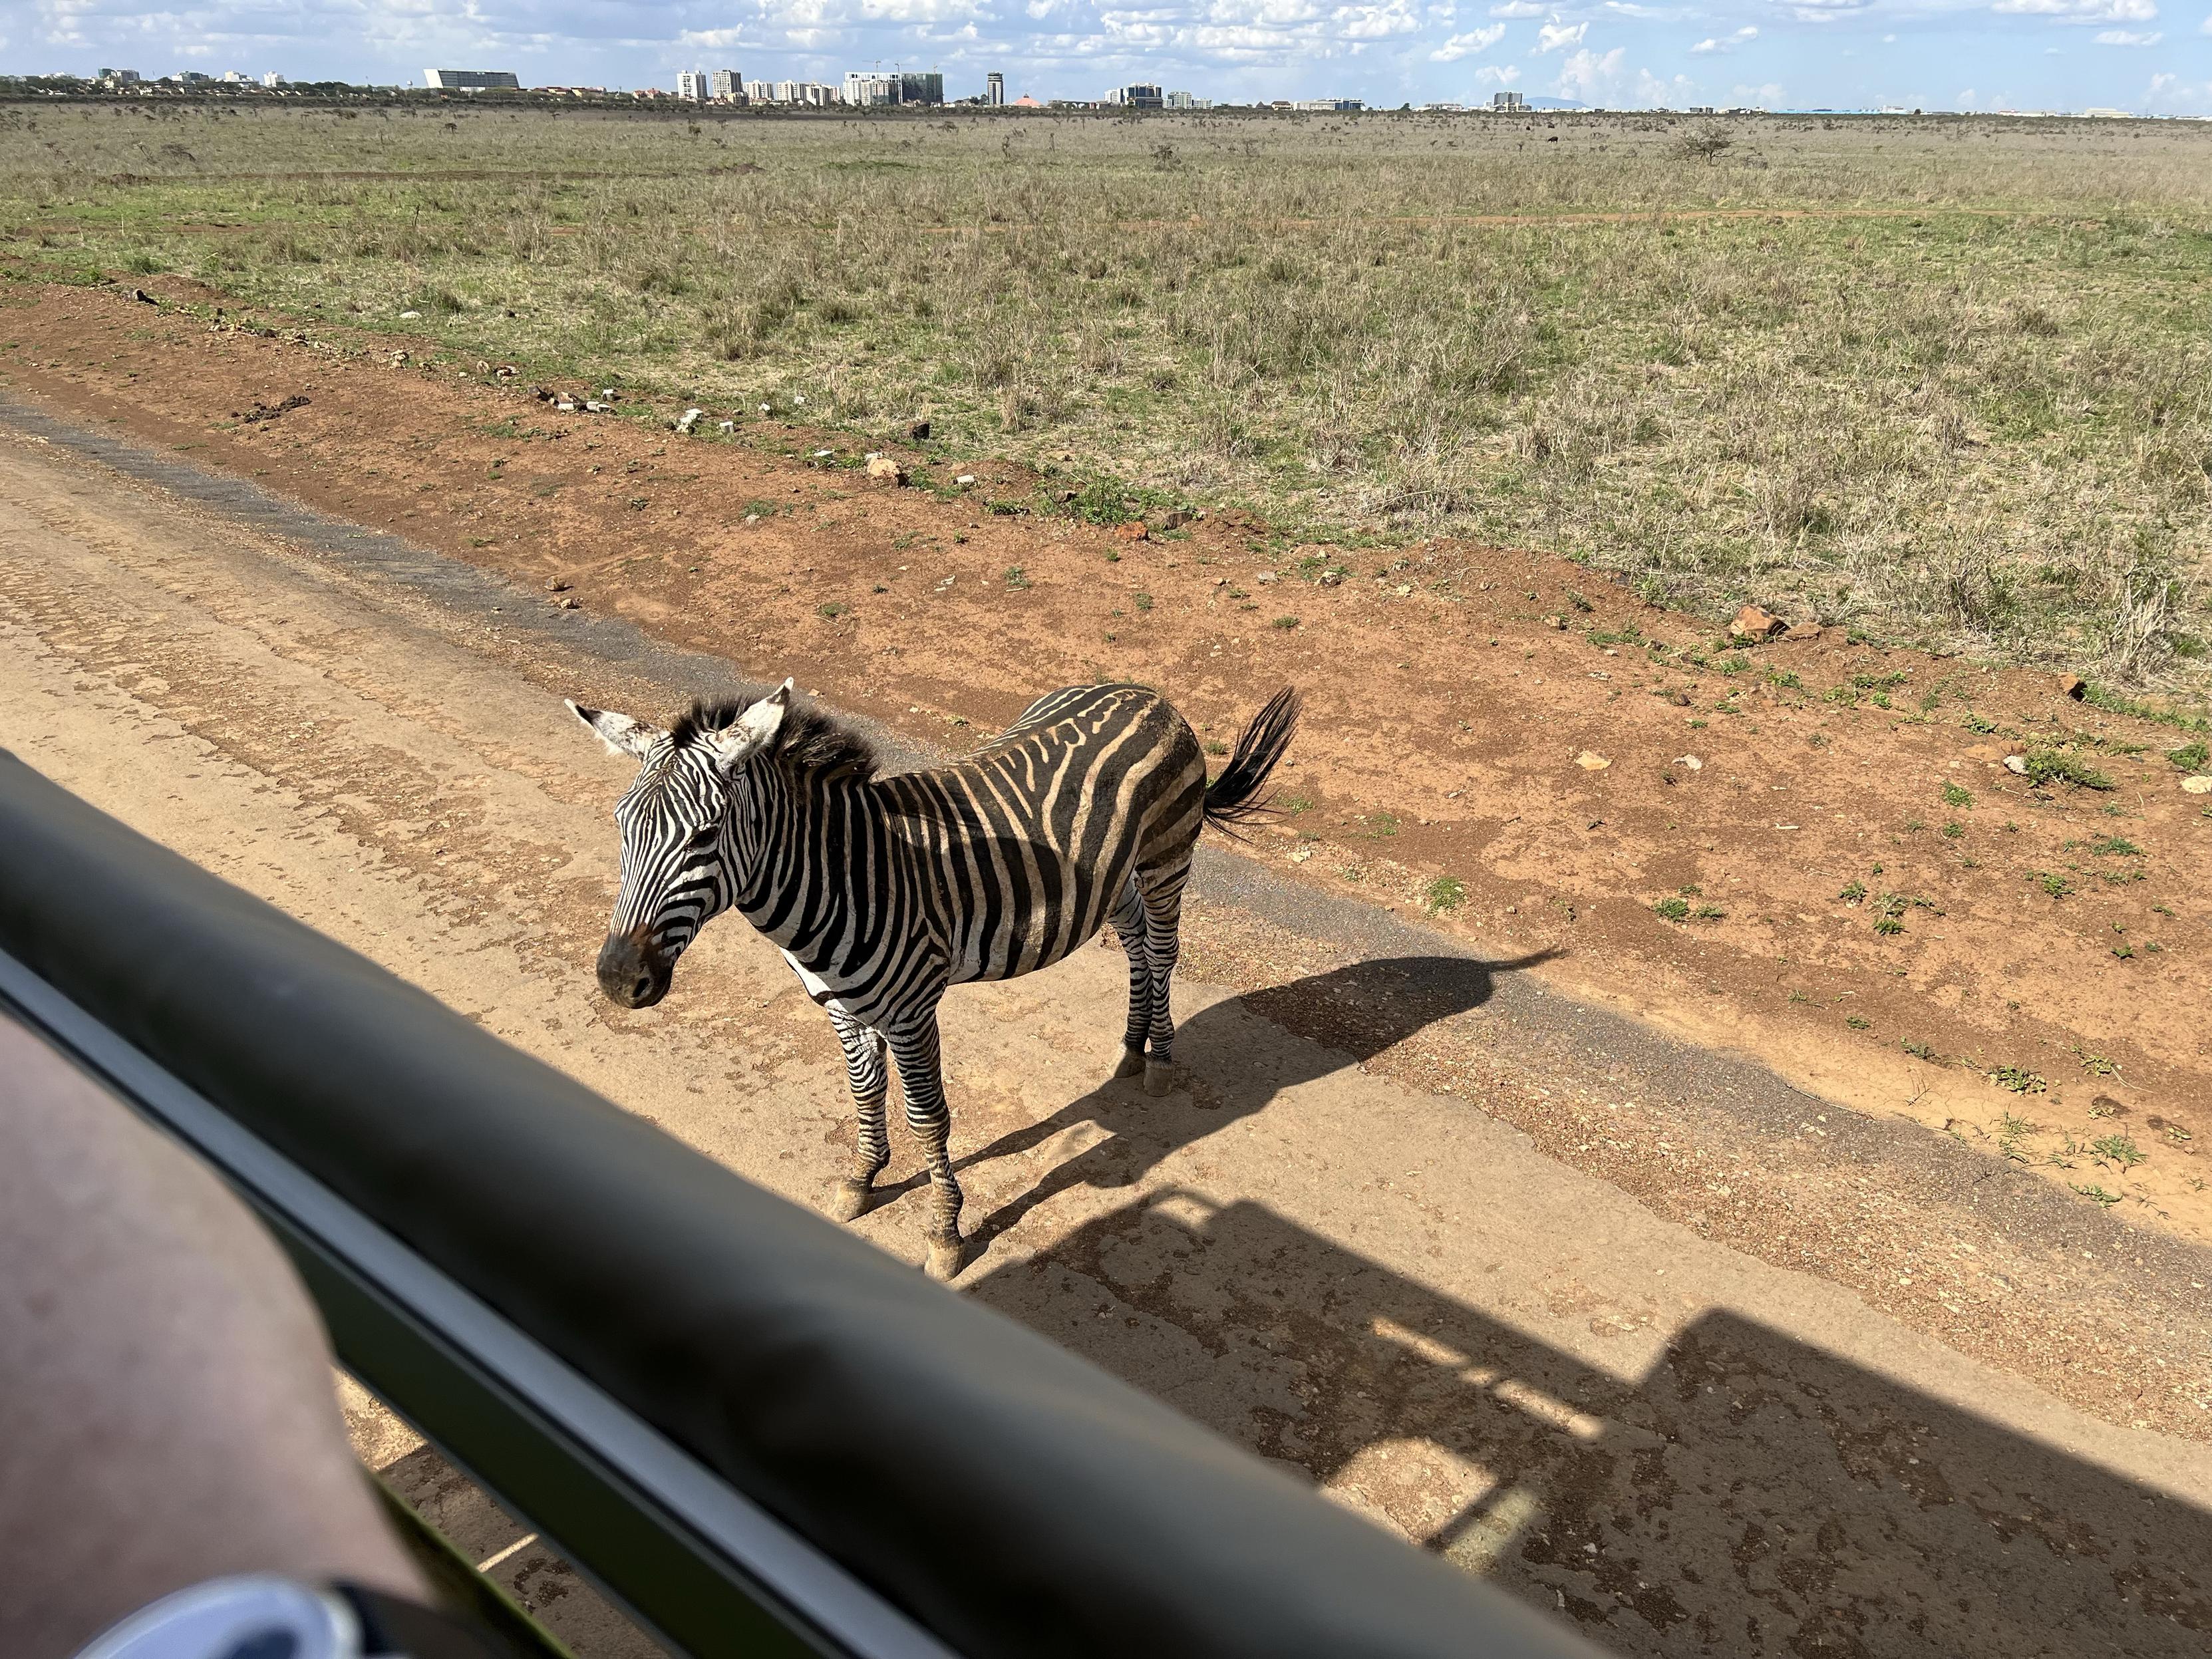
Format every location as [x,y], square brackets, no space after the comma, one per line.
[995,89]
[691,87]
[1508,100]
[1142,94]
[472,80]
[272,79]
[727,86]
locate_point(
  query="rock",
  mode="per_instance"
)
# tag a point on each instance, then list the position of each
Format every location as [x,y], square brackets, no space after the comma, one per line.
[1175,520]
[1261,578]
[689,419]
[593,405]
[2017,763]
[571,603]
[1300,854]
[555,585]
[1590,761]
[1555,622]
[2074,686]
[965,479]
[566,406]
[1802,631]
[2198,785]
[1752,622]
[725,425]
[917,430]
[884,470]
[1679,699]
[1332,579]
[409,316]
[1131,530]
[1689,763]
[1404,590]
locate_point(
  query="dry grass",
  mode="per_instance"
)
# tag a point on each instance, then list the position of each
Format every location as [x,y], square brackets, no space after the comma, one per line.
[1949,380]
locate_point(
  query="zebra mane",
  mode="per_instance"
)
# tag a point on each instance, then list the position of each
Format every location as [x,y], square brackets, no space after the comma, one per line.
[811,742]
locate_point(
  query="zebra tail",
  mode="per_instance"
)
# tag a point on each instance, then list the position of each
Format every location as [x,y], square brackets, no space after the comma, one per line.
[1235,796]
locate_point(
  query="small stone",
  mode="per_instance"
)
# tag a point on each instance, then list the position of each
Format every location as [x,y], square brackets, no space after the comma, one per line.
[1590,761]
[1332,579]
[965,479]
[689,419]
[566,406]
[752,518]
[725,425]
[1555,622]
[571,603]
[2016,763]
[1752,622]
[1689,763]
[917,430]
[1803,631]
[1261,578]
[2074,686]
[2198,785]
[1679,699]
[884,470]
[1131,530]
[409,316]
[1300,854]
[555,585]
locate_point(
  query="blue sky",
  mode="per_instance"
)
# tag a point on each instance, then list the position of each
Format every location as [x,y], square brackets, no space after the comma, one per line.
[2154,56]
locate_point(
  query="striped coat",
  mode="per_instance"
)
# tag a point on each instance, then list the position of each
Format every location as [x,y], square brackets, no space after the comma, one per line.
[882,892]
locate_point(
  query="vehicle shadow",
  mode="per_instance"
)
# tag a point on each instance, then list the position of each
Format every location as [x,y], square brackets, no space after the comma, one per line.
[1749,1494]
[1348,1016]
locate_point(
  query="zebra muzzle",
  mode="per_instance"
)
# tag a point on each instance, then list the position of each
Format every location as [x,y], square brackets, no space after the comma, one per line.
[631,972]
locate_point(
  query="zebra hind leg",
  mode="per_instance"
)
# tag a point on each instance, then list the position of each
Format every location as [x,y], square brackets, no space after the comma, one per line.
[871,1083]
[1163,904]
[921,1080]
[1128,919]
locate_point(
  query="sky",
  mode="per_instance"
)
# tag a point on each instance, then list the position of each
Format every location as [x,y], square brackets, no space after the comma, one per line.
[2146,56]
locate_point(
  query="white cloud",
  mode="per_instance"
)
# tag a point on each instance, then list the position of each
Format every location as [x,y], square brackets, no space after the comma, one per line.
[1625,9]
[1498,75]
[1759,97]
[1553,36]
[2081,11]
[1466,46]
[1517,8]
[1728,43]
[2129,37]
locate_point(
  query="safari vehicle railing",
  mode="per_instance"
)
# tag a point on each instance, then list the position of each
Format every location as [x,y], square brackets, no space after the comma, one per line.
[755,1432]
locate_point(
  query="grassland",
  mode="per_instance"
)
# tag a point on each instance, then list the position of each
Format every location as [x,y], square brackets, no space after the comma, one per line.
[1947,381]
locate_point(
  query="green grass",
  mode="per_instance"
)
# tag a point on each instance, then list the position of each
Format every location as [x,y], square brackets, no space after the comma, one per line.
[1443,894]
[1971,416]
[2055,766]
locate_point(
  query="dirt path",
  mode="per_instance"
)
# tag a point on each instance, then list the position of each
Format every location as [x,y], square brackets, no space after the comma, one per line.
[1687,1448]
[2037,986]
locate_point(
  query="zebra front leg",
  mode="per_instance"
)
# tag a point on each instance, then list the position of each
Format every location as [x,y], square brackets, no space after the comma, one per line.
[1128,921]
[871,1149]
[921,1081]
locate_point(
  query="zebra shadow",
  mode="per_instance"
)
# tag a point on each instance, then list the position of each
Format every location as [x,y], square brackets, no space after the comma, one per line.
[1346,1016]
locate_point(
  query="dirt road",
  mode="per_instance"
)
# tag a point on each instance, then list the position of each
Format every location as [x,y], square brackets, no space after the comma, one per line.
[1317,1249]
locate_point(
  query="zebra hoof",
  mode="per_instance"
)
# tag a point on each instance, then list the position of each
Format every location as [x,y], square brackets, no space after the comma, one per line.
[946,1257]
[1159,1078]
[1133,1062]
[850,1200]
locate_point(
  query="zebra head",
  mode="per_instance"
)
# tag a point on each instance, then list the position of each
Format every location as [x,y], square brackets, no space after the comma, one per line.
[678,837]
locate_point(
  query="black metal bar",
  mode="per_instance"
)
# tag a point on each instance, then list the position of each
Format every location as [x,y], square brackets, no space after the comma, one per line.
[714,1399]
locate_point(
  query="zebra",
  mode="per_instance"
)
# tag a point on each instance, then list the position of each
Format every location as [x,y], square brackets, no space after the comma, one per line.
[883,892]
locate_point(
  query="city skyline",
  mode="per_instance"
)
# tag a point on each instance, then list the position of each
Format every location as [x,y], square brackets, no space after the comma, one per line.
[2140,56]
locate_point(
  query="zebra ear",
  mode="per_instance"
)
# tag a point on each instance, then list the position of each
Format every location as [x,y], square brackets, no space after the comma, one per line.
[756,729]
[620,734]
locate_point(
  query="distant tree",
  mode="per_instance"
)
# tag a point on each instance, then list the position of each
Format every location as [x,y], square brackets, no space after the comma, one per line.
[1706,147]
